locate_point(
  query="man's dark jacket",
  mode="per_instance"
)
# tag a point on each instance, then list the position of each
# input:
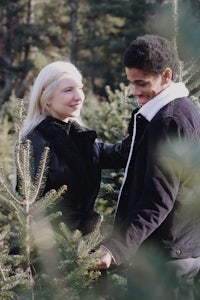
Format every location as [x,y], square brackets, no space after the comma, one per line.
[160,199]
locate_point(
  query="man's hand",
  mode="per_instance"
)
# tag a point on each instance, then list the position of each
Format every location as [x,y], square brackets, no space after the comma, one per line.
[105,259]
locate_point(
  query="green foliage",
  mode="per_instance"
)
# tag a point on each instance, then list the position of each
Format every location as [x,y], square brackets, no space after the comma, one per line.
[105,31]
[190,76]
[170,19]
[9,119]
[91,34]
[66,270]
[110,117]
[6,144]
[8,278]
[79,256]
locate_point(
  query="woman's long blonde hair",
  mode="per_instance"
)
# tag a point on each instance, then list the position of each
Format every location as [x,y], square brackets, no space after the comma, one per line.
[43,90]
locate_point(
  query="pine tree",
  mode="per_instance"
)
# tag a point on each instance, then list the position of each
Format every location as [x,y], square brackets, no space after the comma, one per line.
[9,279]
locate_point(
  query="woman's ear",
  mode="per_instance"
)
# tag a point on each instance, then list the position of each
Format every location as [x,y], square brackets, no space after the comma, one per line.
[167,76]
[48,103]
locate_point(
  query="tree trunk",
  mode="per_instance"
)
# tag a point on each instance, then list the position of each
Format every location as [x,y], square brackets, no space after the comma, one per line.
[73,25]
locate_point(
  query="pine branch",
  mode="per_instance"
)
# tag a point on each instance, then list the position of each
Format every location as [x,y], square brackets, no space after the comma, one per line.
[78,259]
[41,174]
[14,207]
[8,189]
[49,199]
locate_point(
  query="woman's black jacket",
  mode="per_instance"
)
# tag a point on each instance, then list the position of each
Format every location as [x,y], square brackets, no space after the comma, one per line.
[75,160]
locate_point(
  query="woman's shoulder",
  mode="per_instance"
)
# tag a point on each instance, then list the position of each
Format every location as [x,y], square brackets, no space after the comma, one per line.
[43,130]
[37,140]
[37,137]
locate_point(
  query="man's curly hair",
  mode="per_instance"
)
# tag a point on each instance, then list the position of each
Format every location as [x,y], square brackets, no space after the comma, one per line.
[152,54]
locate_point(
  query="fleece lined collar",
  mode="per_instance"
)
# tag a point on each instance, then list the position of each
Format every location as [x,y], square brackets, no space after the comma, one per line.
[174,91]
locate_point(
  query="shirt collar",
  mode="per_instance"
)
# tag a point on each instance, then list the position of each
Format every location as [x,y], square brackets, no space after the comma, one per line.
[175,90]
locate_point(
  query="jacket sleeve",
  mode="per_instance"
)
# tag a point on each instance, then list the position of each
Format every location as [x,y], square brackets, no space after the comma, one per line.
[160,188]
[114,156]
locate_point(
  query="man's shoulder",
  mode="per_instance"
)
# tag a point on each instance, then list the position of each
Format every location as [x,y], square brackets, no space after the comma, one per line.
[179,107]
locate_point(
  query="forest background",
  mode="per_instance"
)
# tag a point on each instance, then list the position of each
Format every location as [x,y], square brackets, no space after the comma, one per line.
[93,35]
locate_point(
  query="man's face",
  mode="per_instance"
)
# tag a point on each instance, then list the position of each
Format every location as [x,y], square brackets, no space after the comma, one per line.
[145,86]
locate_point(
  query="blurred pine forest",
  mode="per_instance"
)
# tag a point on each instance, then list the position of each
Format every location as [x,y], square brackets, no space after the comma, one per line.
[93,35]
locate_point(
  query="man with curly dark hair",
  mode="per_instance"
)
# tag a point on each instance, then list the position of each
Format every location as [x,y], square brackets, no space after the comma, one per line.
[158,206]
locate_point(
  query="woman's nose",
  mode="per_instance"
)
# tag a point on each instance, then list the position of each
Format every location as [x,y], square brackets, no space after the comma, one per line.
[79,95]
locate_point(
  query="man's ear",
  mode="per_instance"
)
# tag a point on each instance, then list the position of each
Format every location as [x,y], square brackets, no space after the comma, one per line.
[167,76]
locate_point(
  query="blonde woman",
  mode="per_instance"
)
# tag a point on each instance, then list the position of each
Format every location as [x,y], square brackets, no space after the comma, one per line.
[76,157]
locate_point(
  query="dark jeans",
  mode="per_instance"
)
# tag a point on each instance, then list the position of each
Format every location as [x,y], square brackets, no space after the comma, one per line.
[152,279]
[188,277]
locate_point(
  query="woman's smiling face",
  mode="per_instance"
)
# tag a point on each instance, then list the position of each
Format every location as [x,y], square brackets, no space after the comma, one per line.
[67,99]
